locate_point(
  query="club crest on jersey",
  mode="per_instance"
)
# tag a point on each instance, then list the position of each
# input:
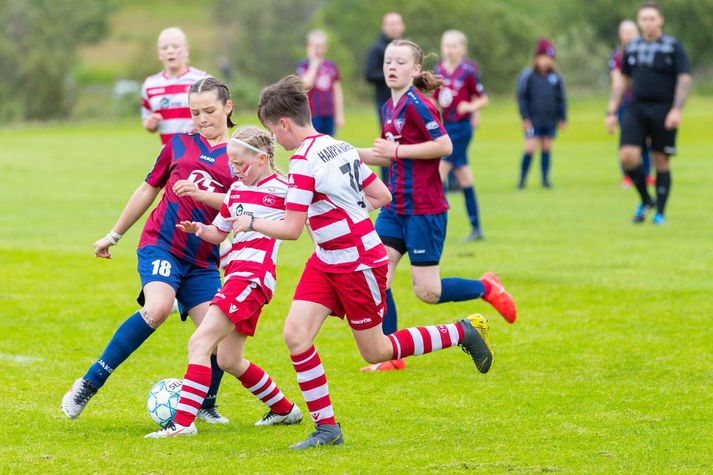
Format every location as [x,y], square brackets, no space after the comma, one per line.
[204,181]
[268,200]
[399,124]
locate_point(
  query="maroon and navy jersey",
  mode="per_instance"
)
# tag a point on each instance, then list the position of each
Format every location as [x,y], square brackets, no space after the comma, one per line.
[415,184]
[615,63]
[186,157]
[460,85]
[321,95]
[169,97]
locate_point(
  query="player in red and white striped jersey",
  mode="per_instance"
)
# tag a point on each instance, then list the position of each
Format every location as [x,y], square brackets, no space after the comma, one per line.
[249,285]
[164,96]
[332,190]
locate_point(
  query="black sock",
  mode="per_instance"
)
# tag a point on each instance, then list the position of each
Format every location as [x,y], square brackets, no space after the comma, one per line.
[638,178]
[663,188]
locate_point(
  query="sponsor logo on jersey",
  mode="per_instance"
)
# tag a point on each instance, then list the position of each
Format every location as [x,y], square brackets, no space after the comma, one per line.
[433,125]
[239,209]
[206,158]
[362,321]
[268,200]
[204,181]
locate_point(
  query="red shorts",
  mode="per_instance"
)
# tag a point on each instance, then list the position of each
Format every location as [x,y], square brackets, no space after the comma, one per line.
[361,295]
[241,301]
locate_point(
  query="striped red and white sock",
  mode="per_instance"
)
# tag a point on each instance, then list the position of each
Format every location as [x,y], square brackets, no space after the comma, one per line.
[258,382]
[313,383]
[421,340]
[195,386]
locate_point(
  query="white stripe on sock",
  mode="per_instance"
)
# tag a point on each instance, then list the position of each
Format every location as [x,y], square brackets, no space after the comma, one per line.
[187,408]
[314,352]
[310,374]
[316,393]
[267,391]
[436,343]
[192,397]
[194,385]
[417,341]
[259,384]
[274,399]
[395,340]
[453,333]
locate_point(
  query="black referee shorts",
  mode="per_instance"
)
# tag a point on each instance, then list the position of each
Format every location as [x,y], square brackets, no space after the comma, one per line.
[646,121]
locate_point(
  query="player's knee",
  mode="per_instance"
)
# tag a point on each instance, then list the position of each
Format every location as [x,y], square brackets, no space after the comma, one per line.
[426,293]
[231,363]
[155,314]
[295,340]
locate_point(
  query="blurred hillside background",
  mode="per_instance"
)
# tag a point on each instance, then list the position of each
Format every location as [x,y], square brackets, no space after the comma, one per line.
[84,59]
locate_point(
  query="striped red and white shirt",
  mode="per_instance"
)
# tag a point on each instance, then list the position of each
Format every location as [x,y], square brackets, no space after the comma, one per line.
[326,180]
[169,97]
[253,256]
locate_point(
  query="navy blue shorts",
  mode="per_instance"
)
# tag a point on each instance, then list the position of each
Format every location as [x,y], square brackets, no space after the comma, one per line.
[542,132]
[323,125]
[193,285]
[421,235]
[461,133]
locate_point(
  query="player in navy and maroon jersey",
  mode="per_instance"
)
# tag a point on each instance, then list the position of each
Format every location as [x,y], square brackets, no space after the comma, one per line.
[193,172]
[412,144]
[164,95]
[461,97]
[320,77]
[627,32]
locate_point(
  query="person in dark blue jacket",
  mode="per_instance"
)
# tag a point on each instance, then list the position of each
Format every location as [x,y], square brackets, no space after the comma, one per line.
[543,108]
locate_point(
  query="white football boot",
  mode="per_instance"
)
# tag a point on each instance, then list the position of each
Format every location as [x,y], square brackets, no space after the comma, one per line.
[212,416]
[77,397]
[272,419]
[173,430]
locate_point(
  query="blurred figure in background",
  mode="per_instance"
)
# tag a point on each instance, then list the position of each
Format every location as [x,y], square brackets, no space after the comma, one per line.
[164,96]
[543,109]
[320,77]
[627,32]
[392,27]
[460,97]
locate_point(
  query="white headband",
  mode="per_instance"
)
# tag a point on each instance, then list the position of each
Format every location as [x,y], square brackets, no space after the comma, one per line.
[247,145]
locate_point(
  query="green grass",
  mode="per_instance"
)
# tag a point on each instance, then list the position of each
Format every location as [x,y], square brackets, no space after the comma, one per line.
[608,369]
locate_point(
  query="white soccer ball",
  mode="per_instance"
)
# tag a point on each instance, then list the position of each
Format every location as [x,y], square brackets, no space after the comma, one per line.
[163,400]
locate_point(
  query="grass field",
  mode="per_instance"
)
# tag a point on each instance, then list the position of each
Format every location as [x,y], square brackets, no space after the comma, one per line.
[608,369]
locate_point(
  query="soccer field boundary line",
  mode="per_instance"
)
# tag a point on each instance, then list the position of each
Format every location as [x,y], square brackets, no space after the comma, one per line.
[20,358]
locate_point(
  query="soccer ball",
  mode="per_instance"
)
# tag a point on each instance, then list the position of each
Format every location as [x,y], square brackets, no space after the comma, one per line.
[163,400]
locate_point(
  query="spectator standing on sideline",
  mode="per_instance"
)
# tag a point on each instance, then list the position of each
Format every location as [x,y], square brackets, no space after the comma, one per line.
[164,96]
[627,32]
[320,77]
[543,109]
[392,27]
[657,68]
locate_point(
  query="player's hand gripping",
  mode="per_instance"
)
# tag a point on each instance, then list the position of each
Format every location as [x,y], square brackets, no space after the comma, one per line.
[384,148]
[187,188]
[241,223]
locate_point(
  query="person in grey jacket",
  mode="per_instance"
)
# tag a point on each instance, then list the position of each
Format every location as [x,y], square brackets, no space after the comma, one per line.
[543,108]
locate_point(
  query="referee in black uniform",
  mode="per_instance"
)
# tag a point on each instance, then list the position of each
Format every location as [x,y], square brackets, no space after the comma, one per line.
[657,68]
